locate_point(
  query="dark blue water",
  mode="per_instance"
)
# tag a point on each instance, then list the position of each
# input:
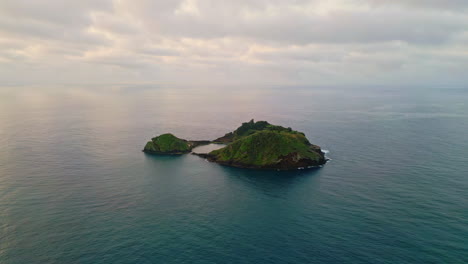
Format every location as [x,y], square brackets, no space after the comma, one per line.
[76,188]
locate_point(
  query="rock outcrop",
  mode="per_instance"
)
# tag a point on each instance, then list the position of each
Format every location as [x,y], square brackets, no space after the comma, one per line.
[168,144]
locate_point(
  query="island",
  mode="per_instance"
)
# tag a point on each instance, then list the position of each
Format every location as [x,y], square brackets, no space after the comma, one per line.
[254,145]
[168,144]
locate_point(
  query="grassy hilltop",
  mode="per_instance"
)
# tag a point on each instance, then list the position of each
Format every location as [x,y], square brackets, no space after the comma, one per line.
[262,145]
[251,127]
[167,144]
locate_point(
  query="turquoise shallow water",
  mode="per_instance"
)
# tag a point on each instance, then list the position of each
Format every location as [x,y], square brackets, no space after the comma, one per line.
[76,188]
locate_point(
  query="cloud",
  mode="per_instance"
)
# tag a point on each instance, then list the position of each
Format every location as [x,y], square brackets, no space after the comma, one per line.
[291,24]
[454,5]
[191,42]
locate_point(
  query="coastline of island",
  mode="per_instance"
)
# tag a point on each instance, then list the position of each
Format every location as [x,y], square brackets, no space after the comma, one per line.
[253,145]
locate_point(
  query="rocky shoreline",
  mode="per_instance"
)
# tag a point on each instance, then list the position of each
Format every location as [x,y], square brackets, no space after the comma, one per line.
[287,164]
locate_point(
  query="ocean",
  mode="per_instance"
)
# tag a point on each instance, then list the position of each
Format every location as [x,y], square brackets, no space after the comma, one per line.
[75,186]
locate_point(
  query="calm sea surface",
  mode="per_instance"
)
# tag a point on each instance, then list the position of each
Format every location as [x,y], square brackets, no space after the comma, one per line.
[76,188]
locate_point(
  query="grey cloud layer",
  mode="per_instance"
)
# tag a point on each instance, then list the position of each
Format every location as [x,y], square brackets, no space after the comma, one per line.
[208,41]
[454,5]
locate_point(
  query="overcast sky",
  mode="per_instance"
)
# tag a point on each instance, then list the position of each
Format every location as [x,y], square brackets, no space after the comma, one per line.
[234,42]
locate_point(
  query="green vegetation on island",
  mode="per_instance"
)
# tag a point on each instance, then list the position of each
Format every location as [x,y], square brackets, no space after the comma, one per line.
[170,144]
[258,145]
[265,146]
[249,128]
